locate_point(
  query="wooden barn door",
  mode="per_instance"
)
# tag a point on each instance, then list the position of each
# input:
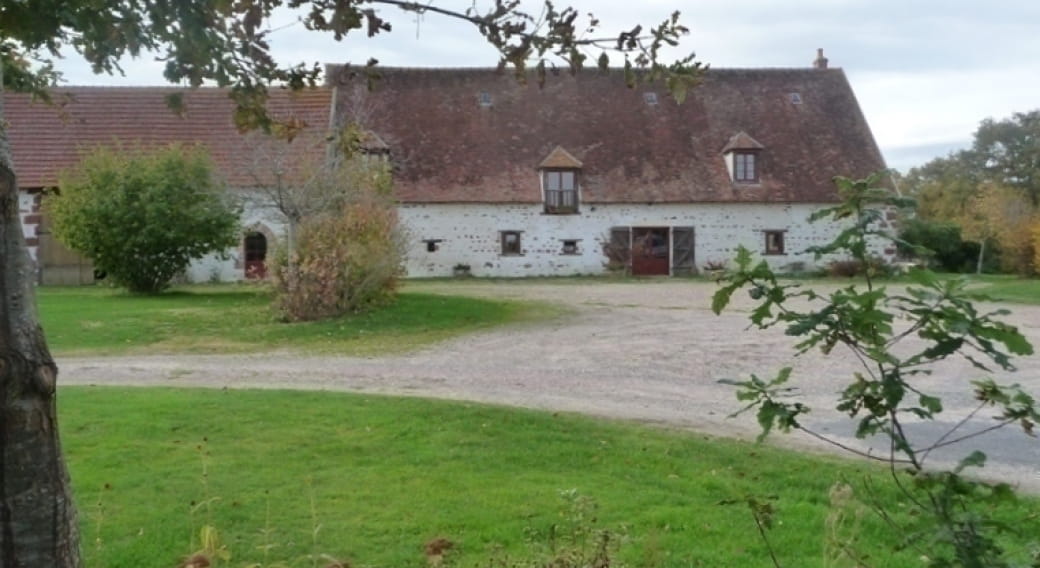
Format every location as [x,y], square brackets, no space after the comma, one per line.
[683,263]
[619,250]
[650,251]
[60,266]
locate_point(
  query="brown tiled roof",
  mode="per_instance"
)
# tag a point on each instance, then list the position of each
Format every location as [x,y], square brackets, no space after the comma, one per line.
[47,139]
[450,148]
[560,158]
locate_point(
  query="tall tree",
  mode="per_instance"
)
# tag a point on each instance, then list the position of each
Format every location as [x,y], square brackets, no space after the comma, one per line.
[944,187]
[1004,153]
[1009,152]
[225,42]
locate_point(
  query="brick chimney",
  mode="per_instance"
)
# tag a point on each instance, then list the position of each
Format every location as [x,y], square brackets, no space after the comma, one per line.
[821,61]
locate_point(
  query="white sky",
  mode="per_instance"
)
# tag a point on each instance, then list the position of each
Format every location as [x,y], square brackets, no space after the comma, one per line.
[925,71]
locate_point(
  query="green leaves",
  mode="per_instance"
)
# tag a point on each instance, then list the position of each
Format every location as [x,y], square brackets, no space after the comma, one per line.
[765,396]
[874,325]
[141,217]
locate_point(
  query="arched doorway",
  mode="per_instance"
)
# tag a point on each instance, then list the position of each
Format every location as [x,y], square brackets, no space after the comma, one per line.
[255,246]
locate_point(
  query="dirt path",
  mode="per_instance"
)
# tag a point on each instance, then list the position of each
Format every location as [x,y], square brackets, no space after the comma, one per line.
[650,351]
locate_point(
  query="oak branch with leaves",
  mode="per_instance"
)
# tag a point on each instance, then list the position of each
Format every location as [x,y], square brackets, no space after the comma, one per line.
[227,43]
[896,335]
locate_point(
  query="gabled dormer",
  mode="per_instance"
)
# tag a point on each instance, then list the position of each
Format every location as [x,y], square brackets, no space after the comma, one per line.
[560,176]
[742,154]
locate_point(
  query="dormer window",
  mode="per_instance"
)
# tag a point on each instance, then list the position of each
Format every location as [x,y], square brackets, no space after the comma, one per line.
[561,187]
[744,168]
[742,154]
[561,191]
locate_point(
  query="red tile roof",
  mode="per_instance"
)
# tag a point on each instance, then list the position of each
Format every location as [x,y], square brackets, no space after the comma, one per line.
[449,147]
[47,139]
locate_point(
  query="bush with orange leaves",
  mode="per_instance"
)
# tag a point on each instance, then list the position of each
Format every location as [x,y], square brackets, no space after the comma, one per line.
[343,262]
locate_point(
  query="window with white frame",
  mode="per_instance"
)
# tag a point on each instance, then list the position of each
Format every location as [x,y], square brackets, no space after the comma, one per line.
[561,190]
[745,166]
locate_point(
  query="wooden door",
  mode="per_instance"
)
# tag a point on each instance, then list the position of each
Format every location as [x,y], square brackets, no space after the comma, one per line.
[650,251]
[60,266]
[682,252]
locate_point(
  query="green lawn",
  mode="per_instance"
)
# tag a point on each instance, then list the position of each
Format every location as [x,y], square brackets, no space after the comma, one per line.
[1007,288]
[237,318]
[378,477]
[1000,287]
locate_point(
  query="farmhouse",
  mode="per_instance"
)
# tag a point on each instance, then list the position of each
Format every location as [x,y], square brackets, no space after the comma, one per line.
[583,173]
[508,178]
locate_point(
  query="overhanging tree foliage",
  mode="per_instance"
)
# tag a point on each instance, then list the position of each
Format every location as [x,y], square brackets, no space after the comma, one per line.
[226,42]
[142,216]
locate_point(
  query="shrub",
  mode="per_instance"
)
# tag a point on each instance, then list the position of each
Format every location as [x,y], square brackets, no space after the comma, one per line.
[342,263]
[946,250]
[142,216]
[874,266]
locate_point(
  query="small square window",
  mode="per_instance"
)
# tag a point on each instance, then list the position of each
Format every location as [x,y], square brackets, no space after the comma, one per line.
[796,98]
[650,98]
[570,246]
[511,243]
[745,167]
[484,98]
[774,242]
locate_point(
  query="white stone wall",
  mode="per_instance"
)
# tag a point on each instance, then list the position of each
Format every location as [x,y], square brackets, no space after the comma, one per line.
[470,234]
[230,266]
[29,213]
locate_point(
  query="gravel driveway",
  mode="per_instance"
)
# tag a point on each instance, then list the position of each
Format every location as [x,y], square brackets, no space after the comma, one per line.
[648,351]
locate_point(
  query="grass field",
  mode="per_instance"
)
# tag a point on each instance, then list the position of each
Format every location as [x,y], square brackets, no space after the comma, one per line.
[379,477]
[237,318]
[1008,288]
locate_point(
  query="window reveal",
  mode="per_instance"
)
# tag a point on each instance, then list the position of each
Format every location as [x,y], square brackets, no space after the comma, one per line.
[774,242]
[511,243]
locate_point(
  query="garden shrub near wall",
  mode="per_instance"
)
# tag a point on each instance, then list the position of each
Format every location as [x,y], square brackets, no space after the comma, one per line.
[142,216]
[343,262]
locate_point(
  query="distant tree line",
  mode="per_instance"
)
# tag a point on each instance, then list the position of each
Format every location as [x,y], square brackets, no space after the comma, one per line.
[978,208]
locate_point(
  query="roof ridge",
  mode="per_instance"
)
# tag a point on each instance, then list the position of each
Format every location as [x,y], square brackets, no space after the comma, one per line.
[484,68]
[209,88]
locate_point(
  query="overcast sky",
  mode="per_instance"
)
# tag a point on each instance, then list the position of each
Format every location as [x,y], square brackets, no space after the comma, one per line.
[925,71]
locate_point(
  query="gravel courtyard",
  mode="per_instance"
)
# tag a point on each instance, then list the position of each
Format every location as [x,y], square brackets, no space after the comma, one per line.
[648,351]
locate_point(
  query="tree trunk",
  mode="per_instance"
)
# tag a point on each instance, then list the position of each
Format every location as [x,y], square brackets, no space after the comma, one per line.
[37,516]
[982,255]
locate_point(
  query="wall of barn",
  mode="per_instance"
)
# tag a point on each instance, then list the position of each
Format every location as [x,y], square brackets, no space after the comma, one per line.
[230,266]
[29,212]
[471,234]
